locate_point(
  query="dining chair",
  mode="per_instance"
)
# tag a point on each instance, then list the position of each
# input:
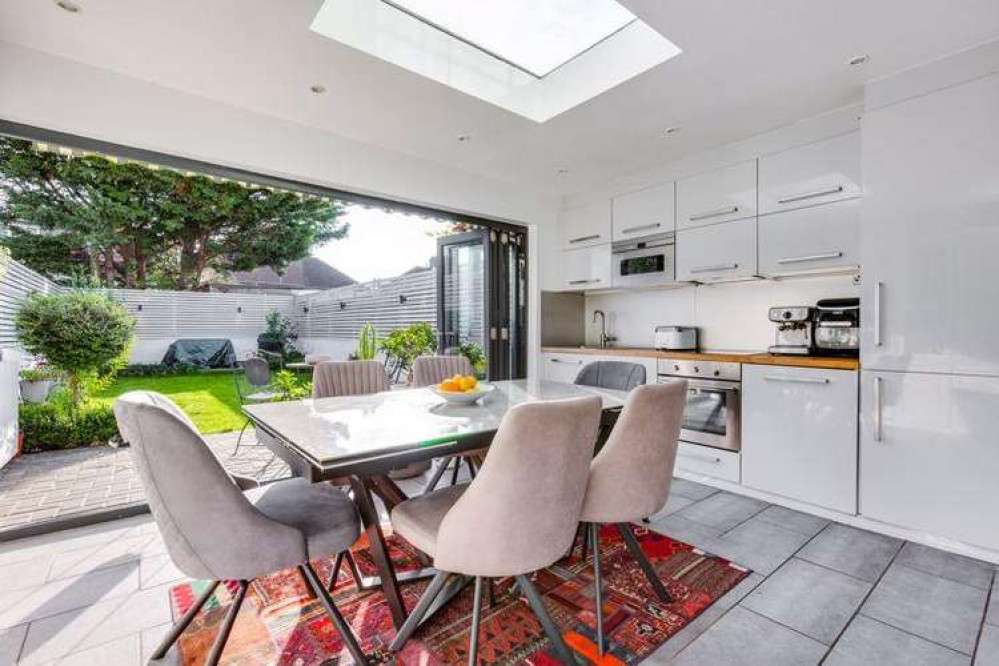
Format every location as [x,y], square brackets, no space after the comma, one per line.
[429,370]
[214,530]
[616,375]
[518,515]
[253,386]
[342,378]
[630,477]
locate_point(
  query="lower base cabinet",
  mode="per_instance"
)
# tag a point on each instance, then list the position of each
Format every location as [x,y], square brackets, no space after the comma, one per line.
[716,463]
[799,434]
[930,454]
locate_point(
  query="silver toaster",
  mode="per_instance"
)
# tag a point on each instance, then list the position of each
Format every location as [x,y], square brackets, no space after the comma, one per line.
[676,338]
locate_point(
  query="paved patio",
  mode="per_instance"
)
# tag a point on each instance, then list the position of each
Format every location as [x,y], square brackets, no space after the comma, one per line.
[58,485]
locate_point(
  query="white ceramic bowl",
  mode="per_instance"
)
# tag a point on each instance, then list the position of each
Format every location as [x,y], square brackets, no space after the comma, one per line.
[464,398]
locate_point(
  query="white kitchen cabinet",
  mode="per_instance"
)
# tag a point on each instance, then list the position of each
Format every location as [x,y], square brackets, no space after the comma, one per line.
[799,434]
[645,212]
[717,196]
[817,239]
[717,253]
[930,232]
[587,268]
[929,454]
[708,461]
[820,172]
[586,225]
[562,367]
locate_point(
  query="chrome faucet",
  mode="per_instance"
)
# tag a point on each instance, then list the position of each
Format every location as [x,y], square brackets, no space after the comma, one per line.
[605,339]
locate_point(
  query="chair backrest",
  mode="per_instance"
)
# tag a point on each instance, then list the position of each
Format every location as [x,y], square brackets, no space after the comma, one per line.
[339,378]
[618,375]
[630,478]
[258,371]
[210,529]
[521,511]
[429,370]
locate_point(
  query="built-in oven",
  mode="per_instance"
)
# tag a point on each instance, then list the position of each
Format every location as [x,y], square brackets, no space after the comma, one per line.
[644,262]
[711,415]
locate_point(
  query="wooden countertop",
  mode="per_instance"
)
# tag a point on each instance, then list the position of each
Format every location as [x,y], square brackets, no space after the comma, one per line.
[759,358]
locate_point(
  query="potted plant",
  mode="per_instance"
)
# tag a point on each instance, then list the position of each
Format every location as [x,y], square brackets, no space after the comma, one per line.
[37,383]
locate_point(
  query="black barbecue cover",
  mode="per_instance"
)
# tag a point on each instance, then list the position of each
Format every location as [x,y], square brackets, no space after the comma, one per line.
[204,353]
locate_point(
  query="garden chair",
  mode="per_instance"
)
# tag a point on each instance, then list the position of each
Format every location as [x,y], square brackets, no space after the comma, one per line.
[253,386]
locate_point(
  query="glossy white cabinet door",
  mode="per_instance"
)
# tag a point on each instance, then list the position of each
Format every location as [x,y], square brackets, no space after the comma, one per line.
[562,367]
[717,196]
[708,461]
[820,172]
[587,268]
[586,225]
[929,456]
[817,239]
[799,434]
[930,232]
[645,212]
[716,253]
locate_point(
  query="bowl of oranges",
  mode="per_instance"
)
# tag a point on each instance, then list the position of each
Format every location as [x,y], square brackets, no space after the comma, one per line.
[461,389]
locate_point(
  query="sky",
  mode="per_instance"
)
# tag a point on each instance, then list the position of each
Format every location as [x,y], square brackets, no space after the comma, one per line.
[381,244]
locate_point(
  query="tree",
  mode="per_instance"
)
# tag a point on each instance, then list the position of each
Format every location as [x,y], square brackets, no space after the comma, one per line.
[124,224]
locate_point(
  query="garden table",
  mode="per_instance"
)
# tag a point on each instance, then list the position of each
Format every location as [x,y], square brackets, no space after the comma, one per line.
[362,438]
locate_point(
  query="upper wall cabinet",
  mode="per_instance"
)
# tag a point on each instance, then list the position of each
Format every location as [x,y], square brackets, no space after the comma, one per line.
[586,225]
[717,196]
[818,239]
[717,253]
[587,268]
[645,212]
[820,172]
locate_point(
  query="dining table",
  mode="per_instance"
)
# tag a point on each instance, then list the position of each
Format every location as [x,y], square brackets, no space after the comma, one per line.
[358,440]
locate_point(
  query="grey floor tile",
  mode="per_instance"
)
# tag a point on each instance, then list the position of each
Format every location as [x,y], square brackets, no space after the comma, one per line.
[743,638]
[988,647]
[78,562]
[158,570]
[796,521]
[22,575]
[67,594]
[758,545]
[695,491]
[934,608]
[868,642]
[10,643]
[151,639]
[673,504]
[816,601]
[992,615]
[681,529]
[124,651]
[858,553]
[723,511]
[953,567]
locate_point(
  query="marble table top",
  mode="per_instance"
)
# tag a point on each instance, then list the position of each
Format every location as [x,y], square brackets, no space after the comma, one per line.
[330,431]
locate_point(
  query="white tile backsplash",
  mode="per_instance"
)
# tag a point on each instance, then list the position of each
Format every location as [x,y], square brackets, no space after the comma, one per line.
[731,316]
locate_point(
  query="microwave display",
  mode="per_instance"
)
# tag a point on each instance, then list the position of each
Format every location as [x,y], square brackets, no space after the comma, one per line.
[653,263]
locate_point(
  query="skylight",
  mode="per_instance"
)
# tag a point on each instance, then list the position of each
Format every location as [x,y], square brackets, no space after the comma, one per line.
[537,37]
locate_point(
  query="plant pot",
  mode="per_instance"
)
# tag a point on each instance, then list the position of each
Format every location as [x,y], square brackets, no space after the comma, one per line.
[36,391]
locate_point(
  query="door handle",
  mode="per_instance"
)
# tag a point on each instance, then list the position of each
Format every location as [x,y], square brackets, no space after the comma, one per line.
[810,195]
[711,459]
[714,213]
[796,380]
[584,281]
[716,267]
[641,227]
[810,257]
[558,360]
[877,312]
[879,435]
[583,239]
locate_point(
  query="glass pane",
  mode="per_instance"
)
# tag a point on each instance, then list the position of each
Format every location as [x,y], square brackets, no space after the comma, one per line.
[705,412]
[464,298]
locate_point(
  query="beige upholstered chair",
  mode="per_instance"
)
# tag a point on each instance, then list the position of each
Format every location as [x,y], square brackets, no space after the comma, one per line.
[214,530]
[339,378]
[630,478]
[518,515]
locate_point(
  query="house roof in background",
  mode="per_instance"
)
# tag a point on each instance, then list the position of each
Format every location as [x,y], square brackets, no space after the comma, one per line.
[308,273]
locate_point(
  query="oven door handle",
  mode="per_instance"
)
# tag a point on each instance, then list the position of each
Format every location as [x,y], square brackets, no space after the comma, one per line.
[701,386]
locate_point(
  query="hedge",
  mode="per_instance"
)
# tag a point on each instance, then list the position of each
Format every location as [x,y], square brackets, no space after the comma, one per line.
[50,426]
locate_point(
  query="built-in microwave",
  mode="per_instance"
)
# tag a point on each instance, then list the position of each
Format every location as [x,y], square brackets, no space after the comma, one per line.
[644,262]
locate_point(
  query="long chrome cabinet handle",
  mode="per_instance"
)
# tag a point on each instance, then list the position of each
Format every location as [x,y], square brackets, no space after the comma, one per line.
[641,227]
[558,360]
[714,213]
[877,312]
[797,380]
[584,281]
[717,267]
[583,239]
[698,456]
[879,435]
[811,195]
[810,257]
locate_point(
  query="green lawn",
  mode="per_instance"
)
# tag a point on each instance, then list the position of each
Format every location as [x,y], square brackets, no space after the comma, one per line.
[209,398]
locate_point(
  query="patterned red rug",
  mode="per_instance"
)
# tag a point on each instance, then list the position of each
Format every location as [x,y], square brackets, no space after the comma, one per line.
[280,624]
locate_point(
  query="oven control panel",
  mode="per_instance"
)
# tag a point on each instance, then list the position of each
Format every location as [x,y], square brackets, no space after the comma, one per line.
[723,371]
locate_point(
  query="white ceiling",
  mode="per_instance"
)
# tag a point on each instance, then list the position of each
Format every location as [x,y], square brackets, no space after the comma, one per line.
[747,66]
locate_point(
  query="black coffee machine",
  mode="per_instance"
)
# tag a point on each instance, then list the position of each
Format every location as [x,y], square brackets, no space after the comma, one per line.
[837,327]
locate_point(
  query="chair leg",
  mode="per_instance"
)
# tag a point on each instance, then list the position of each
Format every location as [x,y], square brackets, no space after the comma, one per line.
[473,637]
[230,619]
[239,440]
[436,478]
[355,572]
[177,629]
[341,625]
[471,467]
[422,606]
[586,541]
[636,552]
[337,563]
[598,591]
[457,469]
[551,629]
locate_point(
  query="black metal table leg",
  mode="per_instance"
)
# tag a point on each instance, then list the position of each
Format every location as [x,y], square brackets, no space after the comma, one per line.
[346,634]
[379,549]
[422,606]
[598,592]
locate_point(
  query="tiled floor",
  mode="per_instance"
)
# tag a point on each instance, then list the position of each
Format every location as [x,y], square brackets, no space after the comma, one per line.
[40,487]
[822,593]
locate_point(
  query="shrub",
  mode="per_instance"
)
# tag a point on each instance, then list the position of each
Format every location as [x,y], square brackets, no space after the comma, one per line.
[85,335]
[156,369]
[52,425]
[291,386]
[475,355]
[39,374]
[405,344]
[367,343]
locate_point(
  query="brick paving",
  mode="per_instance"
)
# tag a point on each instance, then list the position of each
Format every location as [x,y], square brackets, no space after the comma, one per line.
[55,485]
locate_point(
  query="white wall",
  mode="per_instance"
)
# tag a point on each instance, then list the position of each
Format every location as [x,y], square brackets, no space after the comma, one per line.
[731,316]
[10,366]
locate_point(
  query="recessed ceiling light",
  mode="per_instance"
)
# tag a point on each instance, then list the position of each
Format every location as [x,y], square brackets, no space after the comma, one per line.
[670,131]
[464,138]
[858,60]
[318,89]
[561,171]
[68,6]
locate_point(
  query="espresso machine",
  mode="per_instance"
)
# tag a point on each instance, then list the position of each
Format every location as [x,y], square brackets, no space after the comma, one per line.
[794,330]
